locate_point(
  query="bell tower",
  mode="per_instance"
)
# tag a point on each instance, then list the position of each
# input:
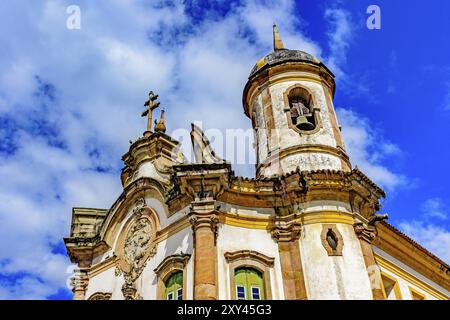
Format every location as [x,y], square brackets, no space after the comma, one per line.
[289,98]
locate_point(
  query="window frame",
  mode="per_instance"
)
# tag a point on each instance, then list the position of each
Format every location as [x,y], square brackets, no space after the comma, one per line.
[326,227]
[250,259]
[237,292]
[178,293]
[170,265]
[259,292]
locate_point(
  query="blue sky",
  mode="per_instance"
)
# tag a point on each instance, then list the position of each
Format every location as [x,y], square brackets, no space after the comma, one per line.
[70,100]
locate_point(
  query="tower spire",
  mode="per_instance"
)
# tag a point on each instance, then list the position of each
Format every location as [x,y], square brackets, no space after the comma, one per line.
[277,42]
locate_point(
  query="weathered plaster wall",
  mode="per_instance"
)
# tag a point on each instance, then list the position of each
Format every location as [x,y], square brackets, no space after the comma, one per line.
[148,169]
[290,138]
[106,281]
[333,277]
[178,243]
[234,239]
[284,137]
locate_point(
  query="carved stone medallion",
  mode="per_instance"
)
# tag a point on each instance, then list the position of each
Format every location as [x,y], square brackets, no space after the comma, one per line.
[137,243]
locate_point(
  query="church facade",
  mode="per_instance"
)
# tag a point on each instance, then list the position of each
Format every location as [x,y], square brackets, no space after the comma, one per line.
[307,227]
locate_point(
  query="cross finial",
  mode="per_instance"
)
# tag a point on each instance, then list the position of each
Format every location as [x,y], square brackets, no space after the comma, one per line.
[151,105]
[277,42]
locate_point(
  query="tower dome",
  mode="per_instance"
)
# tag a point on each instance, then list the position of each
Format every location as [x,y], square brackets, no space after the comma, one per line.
[289,98]
[280,56]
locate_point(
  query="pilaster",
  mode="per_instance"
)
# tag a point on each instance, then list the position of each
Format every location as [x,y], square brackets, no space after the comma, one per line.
[366,235]
[204,220]
[286,232]
[79,283]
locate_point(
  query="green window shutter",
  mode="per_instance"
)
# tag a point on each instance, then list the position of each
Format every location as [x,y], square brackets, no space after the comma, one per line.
[174,286]
[249,284]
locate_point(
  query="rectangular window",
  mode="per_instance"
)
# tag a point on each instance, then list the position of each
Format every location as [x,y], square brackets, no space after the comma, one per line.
[256,293]
[240,292]
[180,294]
[170,296]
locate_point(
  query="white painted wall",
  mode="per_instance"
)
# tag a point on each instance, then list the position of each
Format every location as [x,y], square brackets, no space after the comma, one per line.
[180,242]
[333,277]
[231,239]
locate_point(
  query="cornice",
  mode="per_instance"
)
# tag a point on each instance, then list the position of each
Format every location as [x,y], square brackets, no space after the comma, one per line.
[316,72]
[403,248]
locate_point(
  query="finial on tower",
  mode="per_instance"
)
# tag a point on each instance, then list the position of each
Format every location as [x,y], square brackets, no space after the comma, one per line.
[277,42]
[161,125]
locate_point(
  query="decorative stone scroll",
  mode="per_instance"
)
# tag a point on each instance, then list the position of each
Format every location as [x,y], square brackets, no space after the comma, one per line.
[366,233]
[286,229]
[100,296]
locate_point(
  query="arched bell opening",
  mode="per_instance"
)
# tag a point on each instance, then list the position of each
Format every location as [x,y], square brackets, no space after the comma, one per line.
[301,107]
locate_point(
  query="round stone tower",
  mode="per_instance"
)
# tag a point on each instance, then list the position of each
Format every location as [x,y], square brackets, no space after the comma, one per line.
[289,98]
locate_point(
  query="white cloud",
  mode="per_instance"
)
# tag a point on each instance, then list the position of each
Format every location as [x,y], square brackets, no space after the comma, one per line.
[340,37]
[435,208]
[434,238]
[64,148]
[367,149]
[431,230]
[70,100]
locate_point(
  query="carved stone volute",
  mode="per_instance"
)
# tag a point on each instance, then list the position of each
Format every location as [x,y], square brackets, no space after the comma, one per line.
[365,232]
[286,229]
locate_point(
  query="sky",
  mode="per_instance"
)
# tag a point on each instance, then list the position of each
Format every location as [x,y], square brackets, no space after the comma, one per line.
[71,99]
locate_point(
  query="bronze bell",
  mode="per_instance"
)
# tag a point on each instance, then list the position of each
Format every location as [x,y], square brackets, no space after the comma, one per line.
[303,124]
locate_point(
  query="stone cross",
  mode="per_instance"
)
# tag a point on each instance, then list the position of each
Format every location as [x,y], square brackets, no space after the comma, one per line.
[151,105]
